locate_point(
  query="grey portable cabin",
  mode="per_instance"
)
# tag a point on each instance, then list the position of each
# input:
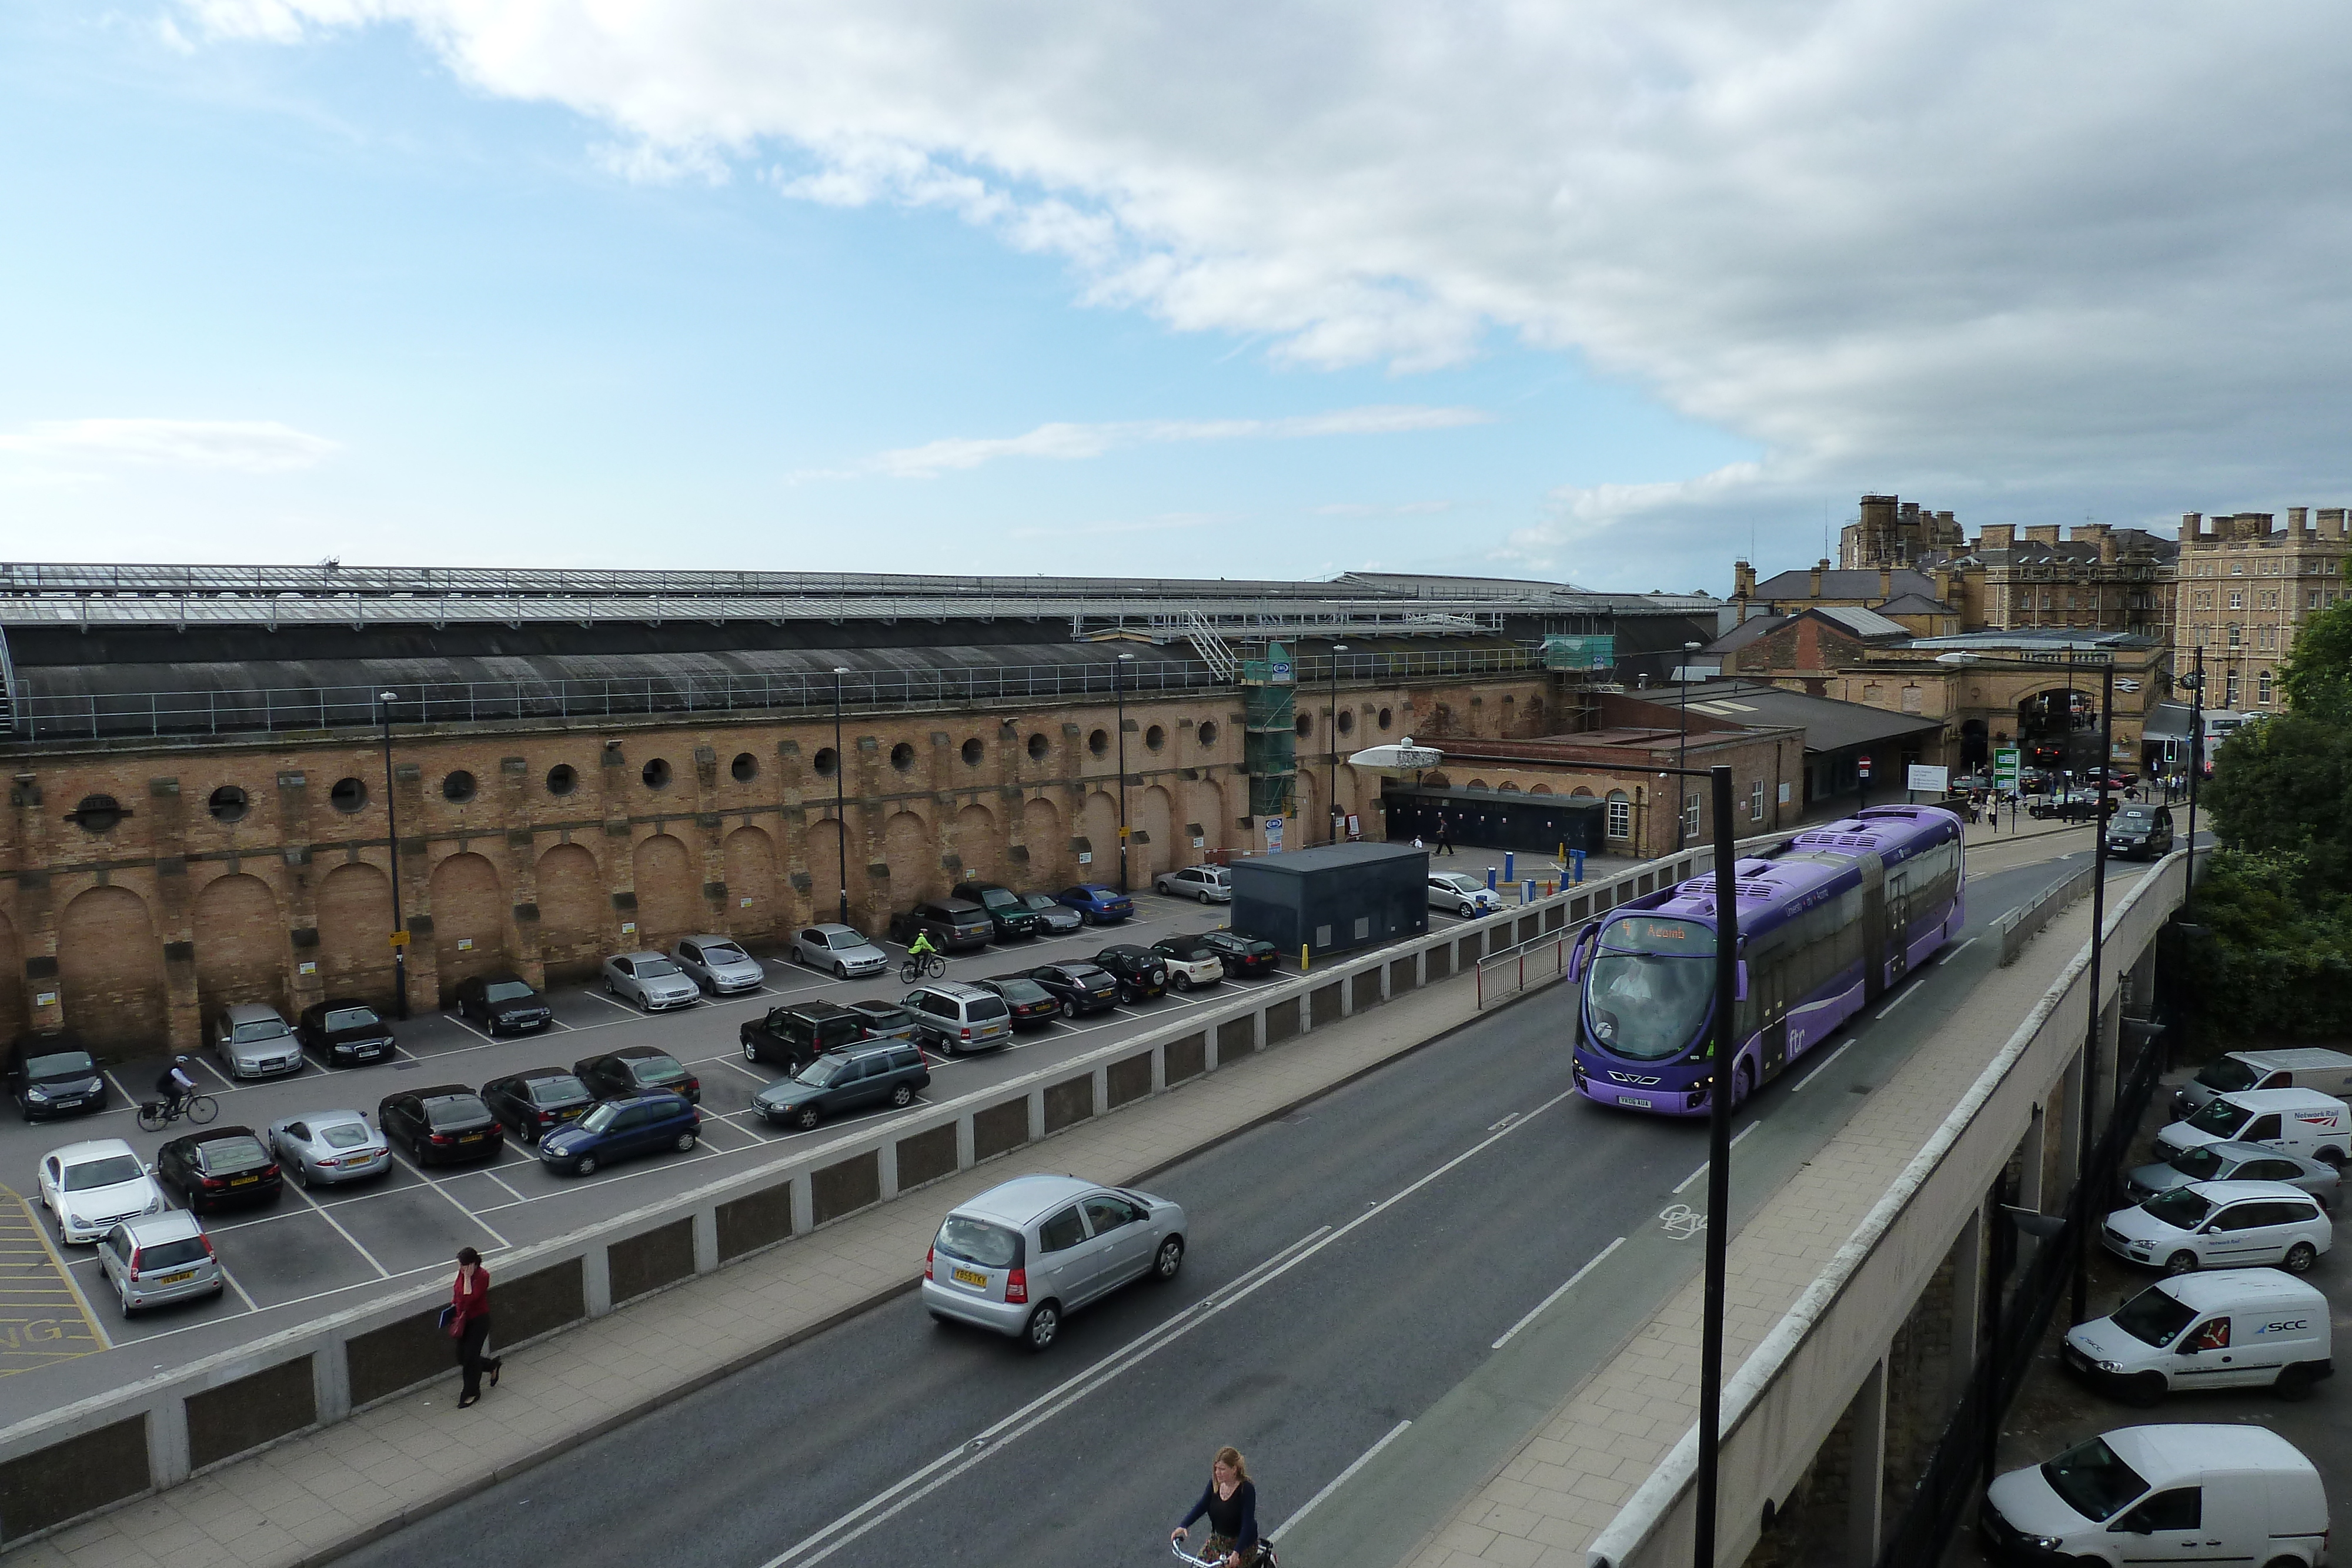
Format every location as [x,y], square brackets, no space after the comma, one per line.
[1334,899]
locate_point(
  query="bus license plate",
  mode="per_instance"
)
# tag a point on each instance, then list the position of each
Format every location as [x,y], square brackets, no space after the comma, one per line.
[977,1281]
[1638,1104]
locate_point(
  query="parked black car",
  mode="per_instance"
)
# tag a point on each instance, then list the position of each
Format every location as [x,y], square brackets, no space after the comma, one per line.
[54,1075]
[1054,918]
[637,1069]
[219,1165]
[952,925]
[1005,909]
[2140,832]
[2074,806]
[1081,988]
[641,1125]
[345,1033]
[1243,956]
[845,1080]
[1031,1004]
[1141,973]
[503,1002]
[535,1102]
[441,1125]
[796,1035]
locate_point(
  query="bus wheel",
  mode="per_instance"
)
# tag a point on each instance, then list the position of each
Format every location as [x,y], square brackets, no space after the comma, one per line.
[1742,1083]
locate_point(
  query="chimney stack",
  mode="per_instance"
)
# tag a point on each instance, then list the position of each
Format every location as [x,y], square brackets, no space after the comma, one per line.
[1743,580]
[1819,567]
[2193,527]
[2297,522]
[2331,522]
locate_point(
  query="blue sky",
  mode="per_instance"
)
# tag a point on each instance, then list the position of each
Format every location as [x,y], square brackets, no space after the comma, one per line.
[521,356]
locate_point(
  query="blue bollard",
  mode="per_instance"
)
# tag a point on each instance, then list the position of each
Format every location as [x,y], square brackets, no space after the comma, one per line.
[1576,863]
[1527,890]
[1508,874]
[1490,879]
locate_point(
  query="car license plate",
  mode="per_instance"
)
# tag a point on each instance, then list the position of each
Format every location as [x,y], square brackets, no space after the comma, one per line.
[1636,1102]
[469,1138]
[66,1105]
[243,1180]
[181,1278]
[972,1277]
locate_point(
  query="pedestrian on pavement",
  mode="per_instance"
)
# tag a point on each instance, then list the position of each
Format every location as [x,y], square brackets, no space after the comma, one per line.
[470,1324]
[1416,840]
[1444,840]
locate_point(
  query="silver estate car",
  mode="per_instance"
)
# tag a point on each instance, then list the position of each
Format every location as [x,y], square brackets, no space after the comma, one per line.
[1020,1257]
[719,965]
[158,1257]
[329,1146]
[2233,1162]
[841,950]
[650,980]
[253,1042]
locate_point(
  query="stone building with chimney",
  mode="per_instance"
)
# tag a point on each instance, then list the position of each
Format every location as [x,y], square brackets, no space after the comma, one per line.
[2245,588]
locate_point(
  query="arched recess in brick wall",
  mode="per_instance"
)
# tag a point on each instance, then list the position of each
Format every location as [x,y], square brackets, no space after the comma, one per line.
[823,847]
[240,944]
[469,908]
[913,858]
[12,982]
[354,927]
[1204,803]
[1308,824]
[669,895]
[1099,824]
[1048,844]
[574,912]
[110,971]
[978,844]
[1154,814]
[752,907]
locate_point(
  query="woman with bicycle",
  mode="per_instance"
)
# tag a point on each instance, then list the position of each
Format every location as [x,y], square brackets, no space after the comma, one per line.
[1230,1499]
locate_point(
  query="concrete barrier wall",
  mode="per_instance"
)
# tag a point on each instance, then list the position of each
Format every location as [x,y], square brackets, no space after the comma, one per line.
[2019,926]
[155,1432]
[1785,1398]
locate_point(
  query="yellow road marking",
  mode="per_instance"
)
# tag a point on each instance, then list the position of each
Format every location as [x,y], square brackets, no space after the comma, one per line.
[22,1338]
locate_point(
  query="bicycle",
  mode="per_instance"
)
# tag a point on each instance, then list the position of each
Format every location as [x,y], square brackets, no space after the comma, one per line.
[154,1115]
[1263,1559]
[915,968]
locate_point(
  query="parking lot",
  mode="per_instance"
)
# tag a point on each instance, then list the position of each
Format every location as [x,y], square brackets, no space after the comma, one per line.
[327,1248]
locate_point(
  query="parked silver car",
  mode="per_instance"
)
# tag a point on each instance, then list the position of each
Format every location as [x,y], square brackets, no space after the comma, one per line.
[719,965]
[1461,894]
[329,1146]
[159,1257]
[253,1042]
[93,1186]
[1020,1257]
[842,951]
[1209,883]
[2233,1162]
[650,980]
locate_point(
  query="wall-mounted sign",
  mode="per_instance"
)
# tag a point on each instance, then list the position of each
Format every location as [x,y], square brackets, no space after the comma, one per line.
[747,903]
[1085,857]
[306,968]
[628,928]
[400,938]
[46,999]
[464,944]
[1274,835]
[1198,840]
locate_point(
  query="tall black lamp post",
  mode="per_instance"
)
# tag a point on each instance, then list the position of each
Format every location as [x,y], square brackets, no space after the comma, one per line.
[2088,1115]
[2195,682]
[1337,816]
[1682,752]
[383,701]
[1118,692]
[840,811]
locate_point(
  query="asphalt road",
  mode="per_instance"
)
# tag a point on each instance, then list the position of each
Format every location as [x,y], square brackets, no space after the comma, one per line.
[1395,1269]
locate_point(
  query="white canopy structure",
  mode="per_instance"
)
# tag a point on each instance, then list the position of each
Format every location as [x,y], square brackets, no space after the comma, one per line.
[1402,758]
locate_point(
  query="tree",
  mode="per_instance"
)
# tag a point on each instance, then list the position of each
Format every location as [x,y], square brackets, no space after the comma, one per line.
[2283,785]
[2317,676]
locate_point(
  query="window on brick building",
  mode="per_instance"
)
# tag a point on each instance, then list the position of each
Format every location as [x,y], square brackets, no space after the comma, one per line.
[827,762]
[973,751]
[902,757]
[1347,721]
[656,773]
[2262,687]
[348,795]
[1305,726]
[1155,737]
[2237,600]
[2311,601]
[227,804]
[1038,747]
[1756,801]
[1098,742]
[562,779]
[745,768]
[1620,815]
[1206,732]
[2233,636]
[458,786]
[1386,718]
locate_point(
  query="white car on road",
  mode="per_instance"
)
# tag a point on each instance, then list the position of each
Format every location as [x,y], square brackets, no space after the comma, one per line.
[1461,893]
[93,1186]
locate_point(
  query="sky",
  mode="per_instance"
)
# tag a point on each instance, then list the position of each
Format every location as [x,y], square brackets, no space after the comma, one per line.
[1588,291]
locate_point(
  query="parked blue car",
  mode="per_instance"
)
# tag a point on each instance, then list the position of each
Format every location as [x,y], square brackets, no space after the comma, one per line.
[617,1129]
[1094,901]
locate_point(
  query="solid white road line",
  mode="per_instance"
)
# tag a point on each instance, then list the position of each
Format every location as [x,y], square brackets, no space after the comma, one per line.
[1824,1067]
[1537,1311]
[912,1488]
[1955,951]
[616,1002]
[1704,1164]
[1338,1480]
[320,1209]
[1901,997]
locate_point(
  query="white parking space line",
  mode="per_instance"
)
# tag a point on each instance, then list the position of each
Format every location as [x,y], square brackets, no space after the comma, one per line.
[129,1101]
[1535,1312]
[470,1029]
[452,1200]
[231,1278]
[223,1079]
[602,1179]
[492,1172]
[1335,1482]
[737,1066]
[321,1210]
[613,1002]
[1824,1067]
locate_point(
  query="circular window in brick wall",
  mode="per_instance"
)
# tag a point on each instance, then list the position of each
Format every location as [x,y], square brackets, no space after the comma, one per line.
[348,795]
[227,804]
[1098,742]
[745,768]
[1155,737]
[1347,721]
[458,786]
[973,752]
[1207,732]
[98,813]
[655,774]
[1305,724]
[902,757]
[827,762]
[562,779]
[1385,718]
[1038,747]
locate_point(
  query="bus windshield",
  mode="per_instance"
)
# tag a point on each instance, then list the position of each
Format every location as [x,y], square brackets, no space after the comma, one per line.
[1650,985]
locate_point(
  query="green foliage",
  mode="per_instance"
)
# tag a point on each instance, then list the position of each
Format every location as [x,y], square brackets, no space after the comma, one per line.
[2277,962]
[2283,785]
[2317,676]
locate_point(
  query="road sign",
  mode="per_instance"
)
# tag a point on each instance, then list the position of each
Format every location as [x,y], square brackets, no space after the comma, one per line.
[1932,780]
[400,938]
[2004,768]
[1274,835]
[1863,764]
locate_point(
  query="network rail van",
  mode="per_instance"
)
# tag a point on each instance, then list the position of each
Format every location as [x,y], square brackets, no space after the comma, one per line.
[2305,1067]
[2294,1120]
[2233,1328]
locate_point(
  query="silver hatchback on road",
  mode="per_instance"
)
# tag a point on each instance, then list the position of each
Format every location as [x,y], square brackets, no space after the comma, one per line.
[650,980]
[1020,1257]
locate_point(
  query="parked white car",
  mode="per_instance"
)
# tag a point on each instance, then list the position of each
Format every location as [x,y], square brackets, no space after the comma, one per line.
[2164,1494]
[1208,884]
[93,1186]
[2221,1225]
[719,965]
[2300,1067]
[1461,893]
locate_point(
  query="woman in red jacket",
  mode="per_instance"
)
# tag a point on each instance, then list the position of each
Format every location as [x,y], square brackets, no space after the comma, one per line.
[470,1324]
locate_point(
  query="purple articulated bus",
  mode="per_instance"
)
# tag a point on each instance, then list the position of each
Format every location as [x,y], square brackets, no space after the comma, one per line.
[1828,922]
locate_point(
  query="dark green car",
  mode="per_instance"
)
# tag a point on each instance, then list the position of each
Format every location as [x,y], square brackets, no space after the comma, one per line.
[874,1077]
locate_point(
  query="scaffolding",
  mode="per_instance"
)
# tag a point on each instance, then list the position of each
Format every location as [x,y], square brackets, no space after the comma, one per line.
[1269,729]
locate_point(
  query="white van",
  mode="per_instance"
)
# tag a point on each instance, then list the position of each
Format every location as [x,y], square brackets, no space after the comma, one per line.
[2164,1494]
[2305,1067]
[2294,1121]
[2233,1328]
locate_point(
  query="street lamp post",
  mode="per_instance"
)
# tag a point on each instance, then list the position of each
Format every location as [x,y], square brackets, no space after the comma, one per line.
[2196,685]
[1118,692]
[1336,649]
[383,701]
[1682,752]
[840,811]
[2087,1118]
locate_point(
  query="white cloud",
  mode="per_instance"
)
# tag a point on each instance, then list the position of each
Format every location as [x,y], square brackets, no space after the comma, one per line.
[1069,443]
[247,447]
[2029,250]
